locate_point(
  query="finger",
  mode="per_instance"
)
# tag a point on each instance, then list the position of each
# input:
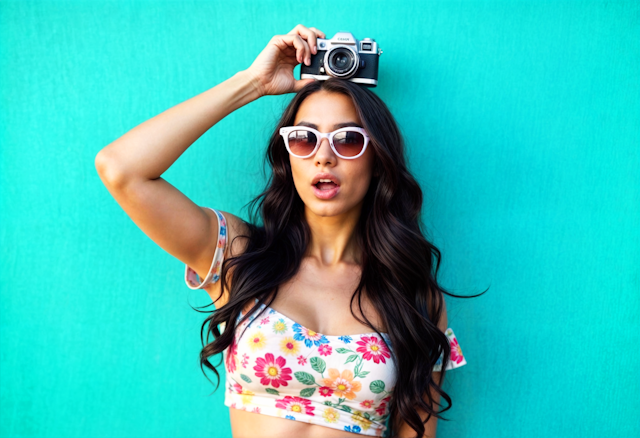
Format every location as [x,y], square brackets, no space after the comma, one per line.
[303,52]
[285,41]
[299,29]
[309,34]
[318,34]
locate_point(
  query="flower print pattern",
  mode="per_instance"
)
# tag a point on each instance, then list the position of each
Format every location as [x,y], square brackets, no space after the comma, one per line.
[382,408]
[456,358]
[191,278]
[256,341]
[272,371]
[368,404]
[232,358]
[308,336]
[361,420]
[295,404]
[237,388]
[279,327]
[456,352]
[331,415]
[245,361]
[289,346]
[343,384]
[246,395]
[373,349]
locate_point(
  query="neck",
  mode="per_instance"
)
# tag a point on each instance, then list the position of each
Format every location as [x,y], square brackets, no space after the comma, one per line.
[333,238]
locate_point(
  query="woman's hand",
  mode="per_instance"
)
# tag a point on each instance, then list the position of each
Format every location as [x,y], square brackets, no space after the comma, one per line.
[273,68]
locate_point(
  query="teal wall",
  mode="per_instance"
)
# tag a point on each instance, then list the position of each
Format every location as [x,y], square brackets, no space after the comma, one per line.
[523,126]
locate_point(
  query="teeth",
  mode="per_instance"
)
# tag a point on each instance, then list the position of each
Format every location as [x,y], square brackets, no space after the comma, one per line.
[325,180]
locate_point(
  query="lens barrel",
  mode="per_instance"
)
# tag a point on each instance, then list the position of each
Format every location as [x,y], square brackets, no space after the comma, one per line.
[341,62]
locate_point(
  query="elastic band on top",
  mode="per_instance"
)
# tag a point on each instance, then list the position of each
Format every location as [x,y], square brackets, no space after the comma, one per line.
[191,278]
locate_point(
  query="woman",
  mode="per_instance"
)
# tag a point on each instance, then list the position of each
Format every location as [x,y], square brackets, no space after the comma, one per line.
[340,226]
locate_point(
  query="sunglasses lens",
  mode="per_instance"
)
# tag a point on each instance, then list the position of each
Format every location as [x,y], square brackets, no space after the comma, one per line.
[302,142]
[348,143]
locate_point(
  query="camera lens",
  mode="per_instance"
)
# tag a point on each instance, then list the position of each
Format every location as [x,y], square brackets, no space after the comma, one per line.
[342,62]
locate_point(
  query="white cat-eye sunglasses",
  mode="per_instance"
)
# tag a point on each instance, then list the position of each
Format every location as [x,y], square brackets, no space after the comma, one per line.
[303,142]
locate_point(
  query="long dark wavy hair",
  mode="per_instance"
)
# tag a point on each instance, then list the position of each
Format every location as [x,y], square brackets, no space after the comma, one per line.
[399,265]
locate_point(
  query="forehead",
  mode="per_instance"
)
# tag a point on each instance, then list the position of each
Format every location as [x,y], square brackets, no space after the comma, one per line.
[326,109]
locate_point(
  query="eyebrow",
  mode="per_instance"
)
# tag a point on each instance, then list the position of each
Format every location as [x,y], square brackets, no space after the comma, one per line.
[336,126]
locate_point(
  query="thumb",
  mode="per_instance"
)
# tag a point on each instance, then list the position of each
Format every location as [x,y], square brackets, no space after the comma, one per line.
[301,83]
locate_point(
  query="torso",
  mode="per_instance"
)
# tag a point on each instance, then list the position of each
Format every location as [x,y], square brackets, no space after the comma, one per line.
[306,299]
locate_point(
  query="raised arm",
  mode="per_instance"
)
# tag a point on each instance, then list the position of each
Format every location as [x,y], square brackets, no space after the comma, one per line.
[131,166]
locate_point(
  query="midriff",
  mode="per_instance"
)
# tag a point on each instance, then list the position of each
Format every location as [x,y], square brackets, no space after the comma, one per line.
[246,424]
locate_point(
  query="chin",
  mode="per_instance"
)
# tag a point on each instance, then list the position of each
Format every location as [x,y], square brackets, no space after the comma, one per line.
[321,208]
[329,208]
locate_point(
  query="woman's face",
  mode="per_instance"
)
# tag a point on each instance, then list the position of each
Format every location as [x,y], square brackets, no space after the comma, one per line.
[327,112]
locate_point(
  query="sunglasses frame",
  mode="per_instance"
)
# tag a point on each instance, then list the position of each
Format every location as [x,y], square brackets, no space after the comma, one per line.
[285,131]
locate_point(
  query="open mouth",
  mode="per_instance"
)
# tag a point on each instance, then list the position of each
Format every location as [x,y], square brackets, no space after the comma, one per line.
[326,189]
[326,185]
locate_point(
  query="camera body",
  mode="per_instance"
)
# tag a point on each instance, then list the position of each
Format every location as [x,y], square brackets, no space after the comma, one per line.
[344,57]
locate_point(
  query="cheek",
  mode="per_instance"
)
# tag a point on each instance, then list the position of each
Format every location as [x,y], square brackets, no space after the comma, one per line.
[361,182]
[363,185]
[298,174]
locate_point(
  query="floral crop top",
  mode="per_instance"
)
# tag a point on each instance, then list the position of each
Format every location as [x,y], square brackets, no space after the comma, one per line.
[279,368]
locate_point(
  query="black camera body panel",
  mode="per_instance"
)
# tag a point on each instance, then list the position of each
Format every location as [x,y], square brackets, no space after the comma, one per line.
[313,68]
[344,57]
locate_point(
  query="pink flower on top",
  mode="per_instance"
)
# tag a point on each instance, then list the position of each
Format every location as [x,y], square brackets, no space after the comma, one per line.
[382,408]
[302,360]
[245,360]
[232,359]
[295,404]
[367,404]
[256,410]
[237,388]
[324,350]
[325,391]
[373,348]
[456,351]
[272,371]
[264,321]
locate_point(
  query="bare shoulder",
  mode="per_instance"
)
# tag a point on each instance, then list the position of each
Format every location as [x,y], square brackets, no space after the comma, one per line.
[443,324]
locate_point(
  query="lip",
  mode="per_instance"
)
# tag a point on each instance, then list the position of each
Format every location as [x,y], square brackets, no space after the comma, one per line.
[325,194]
[320,176]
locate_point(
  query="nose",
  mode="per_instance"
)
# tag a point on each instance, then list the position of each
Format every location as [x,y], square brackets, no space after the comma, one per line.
[324,154]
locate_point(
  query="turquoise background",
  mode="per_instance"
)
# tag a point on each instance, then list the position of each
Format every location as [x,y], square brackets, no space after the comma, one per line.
[523,127]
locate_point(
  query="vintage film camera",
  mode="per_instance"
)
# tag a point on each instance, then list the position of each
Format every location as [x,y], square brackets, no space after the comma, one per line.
[345,57]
